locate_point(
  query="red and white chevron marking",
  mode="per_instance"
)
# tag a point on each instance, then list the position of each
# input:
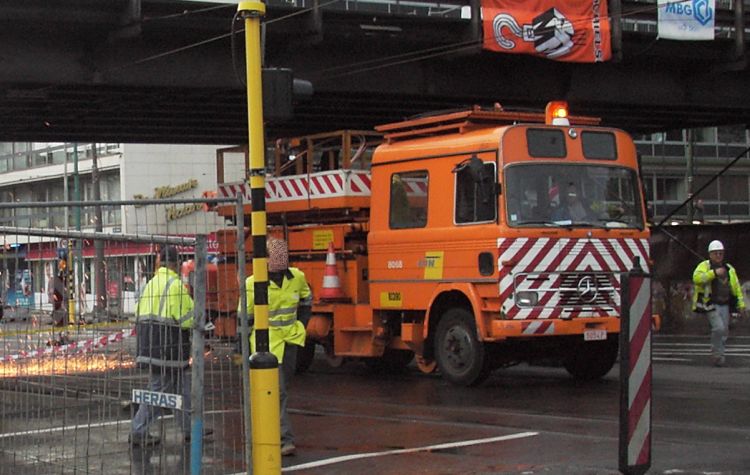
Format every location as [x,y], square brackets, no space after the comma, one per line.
[549,259]
[415,186]
[639,370]
[72,348]
[538,327]
[231,190]
[330,184]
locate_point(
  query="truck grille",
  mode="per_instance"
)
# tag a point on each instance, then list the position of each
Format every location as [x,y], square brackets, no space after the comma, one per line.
[571,289]
[586,289]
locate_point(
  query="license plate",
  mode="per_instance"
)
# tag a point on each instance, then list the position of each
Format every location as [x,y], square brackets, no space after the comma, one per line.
[594,335]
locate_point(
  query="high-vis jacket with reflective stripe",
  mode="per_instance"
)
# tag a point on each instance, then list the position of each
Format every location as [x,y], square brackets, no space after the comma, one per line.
[164,317]
[283,303]
[703,276]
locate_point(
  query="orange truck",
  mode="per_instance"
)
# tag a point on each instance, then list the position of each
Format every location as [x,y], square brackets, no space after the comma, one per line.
[472,240]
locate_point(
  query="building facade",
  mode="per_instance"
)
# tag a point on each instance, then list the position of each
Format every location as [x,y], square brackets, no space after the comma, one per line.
[669,178]
[45,173]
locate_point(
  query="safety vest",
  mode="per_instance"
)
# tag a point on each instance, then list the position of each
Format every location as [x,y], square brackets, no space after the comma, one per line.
[703,276]
[164,317]
[283,302]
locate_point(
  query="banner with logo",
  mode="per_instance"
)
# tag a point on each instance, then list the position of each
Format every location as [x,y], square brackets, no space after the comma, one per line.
[687,19]
[570,30]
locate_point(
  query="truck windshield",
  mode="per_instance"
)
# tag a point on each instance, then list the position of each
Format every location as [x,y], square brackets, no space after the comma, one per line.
[543,194]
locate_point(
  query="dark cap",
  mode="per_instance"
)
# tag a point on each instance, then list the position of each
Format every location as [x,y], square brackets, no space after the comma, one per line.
[168,255]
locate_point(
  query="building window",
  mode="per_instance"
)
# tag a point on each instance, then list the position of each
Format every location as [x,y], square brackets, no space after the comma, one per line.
[732,134]
[711,192]
[705,134]
[734,188]
[670,189]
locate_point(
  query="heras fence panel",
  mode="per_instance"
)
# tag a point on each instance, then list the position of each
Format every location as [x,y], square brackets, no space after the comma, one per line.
[70,384]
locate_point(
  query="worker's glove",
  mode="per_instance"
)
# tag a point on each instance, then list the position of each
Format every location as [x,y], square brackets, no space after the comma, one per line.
[209,327]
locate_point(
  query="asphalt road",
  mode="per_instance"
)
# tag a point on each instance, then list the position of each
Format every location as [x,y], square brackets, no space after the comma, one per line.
[527,420]
[701,419]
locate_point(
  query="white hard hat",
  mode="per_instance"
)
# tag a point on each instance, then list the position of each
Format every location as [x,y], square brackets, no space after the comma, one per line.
[715,246]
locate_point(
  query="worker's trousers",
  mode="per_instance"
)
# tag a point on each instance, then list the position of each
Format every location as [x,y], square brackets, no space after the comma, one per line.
[165,380]
[719,320]
[286,372]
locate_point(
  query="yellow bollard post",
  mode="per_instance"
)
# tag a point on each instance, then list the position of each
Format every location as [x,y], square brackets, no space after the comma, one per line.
[264,367]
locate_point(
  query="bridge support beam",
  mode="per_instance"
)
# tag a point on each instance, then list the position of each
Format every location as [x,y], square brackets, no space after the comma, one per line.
[615,13]
[739,30]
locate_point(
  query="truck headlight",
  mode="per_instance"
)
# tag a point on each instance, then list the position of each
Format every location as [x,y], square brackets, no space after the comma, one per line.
[527,298]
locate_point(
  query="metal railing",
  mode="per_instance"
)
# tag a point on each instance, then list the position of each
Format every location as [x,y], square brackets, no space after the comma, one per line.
[68,333]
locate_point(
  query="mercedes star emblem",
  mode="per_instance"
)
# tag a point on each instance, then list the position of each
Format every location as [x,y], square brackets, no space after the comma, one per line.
[587,288]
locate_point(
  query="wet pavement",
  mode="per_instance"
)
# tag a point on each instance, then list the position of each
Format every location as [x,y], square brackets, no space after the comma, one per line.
[348,420]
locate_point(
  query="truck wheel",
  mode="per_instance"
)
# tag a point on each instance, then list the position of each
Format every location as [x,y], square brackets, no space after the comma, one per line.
[331,358]
[392,361]
[427,366]
[589,360]
[460,356]
[305,357]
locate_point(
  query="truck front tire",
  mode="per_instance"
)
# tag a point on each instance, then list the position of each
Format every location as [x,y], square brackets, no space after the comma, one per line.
[589,360]
[460,355]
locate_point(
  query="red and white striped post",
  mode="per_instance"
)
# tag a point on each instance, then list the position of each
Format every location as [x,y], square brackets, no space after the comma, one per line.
[635,371]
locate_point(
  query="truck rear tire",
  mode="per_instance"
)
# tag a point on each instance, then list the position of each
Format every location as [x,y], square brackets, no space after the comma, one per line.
[460,355]
[589,360]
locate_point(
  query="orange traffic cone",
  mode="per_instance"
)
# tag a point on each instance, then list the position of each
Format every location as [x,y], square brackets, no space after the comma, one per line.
[331,284]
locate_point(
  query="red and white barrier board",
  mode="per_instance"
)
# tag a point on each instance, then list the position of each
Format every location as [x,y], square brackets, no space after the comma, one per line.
[635,374]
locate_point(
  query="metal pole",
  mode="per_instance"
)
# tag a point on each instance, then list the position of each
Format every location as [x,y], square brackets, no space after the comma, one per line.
[199,323]
[244,330]
[264,367]
[690,173]
[100,307]
[69,273]
[77,197]
[66,187]
[70,277]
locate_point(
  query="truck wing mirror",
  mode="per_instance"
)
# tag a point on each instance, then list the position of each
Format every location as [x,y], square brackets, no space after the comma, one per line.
[480,176]
[476,169]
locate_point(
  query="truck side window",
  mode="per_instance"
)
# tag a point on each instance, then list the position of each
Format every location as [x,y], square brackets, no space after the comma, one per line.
[473,203]
[408,206]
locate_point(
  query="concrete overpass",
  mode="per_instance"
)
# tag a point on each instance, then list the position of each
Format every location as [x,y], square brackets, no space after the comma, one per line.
[161,71]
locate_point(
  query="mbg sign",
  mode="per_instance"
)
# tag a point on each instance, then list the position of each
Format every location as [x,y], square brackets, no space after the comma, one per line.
[153,398]
[686,20]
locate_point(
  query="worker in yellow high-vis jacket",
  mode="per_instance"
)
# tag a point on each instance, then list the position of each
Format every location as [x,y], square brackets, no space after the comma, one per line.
[717,292]
[164,318]
[289,307]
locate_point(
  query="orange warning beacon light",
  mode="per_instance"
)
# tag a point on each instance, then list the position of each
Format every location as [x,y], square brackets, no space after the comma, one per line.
[556,113]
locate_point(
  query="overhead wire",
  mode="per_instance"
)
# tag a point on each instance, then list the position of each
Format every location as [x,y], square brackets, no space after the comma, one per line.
[208,40]
[185,13]
[428,52]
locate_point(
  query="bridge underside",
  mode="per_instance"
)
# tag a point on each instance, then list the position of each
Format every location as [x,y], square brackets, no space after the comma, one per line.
[97,77]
